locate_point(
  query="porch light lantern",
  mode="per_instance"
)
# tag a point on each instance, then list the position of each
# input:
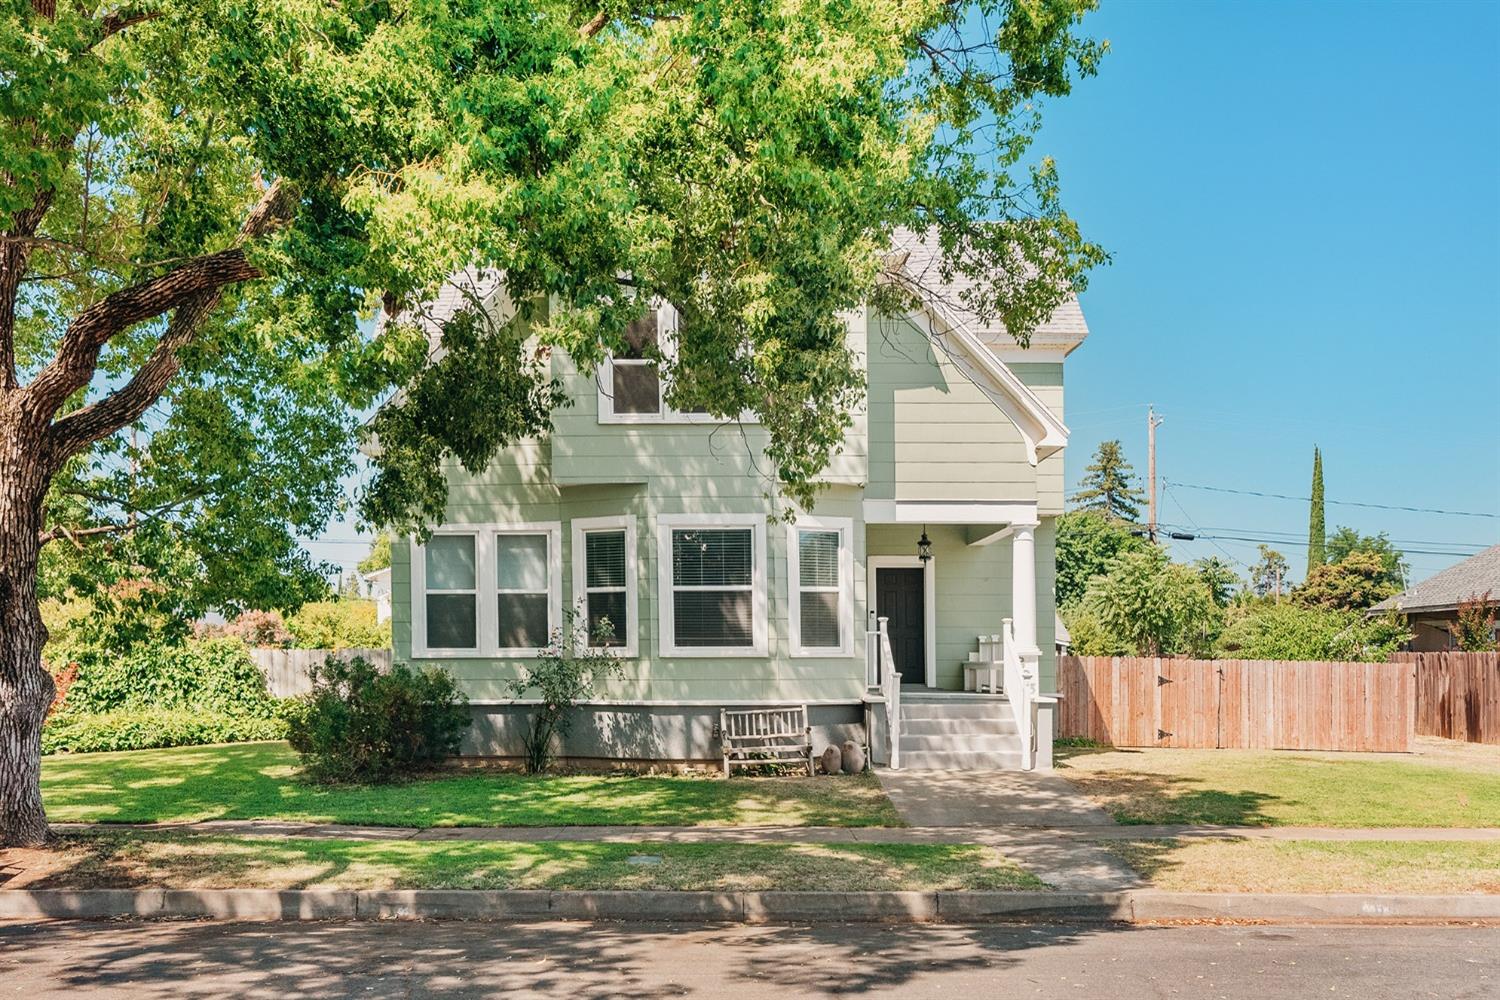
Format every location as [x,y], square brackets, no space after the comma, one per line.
[924,546]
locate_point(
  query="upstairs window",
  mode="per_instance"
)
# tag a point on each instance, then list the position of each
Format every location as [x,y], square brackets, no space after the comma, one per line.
[631,390]
[634,379]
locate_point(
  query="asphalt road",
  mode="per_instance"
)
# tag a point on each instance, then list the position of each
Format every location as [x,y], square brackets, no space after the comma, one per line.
[578,960]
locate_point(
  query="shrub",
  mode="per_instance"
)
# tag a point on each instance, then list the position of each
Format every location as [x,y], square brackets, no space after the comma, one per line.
[563,676]
[1150,606]
[1285,631]
[1474,628]
[347,624]
[361,725]
[152,728]
[259,628]
[214,676]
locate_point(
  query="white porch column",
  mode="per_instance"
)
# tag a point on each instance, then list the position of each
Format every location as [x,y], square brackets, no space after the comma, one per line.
[1023,588]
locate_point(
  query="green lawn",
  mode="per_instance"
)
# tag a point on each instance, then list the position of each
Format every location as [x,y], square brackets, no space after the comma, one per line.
[1441,788]
[259,781]
[117,859]
[1314,865]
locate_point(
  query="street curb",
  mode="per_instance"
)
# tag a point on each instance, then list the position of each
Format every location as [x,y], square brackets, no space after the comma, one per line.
[1129,906]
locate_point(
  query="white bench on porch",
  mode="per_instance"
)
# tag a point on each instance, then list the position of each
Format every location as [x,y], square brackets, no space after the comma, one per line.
[755,737]
[984,673]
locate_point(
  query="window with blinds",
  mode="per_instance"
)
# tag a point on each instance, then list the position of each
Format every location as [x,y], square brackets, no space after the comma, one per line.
[819,589]
[523,591]
[606,583]
[452,592]
[713,580]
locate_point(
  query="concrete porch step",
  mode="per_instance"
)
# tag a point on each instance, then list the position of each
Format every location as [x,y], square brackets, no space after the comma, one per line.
[954,709]
[961,760]
[960,743]
[1003,726]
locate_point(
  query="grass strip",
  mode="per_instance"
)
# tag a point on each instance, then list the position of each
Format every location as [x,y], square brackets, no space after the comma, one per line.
[118,860]
[1421,867]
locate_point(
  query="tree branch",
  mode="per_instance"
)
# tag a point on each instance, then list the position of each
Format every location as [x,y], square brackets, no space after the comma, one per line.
[15,253]
[595,25]
[190,291]
[73,534]
[117,22]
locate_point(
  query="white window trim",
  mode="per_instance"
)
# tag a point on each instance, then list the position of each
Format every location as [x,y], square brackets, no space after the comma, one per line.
[759,624]
[873,565]
[625,522]
[845,528]
[666,339]
[488,624]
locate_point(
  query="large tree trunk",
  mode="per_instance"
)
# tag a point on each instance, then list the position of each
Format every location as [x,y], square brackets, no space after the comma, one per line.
[25,687]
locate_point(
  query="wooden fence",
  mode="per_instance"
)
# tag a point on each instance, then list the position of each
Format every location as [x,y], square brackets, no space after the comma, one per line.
[1253,704]
[1458,695]
[287,670]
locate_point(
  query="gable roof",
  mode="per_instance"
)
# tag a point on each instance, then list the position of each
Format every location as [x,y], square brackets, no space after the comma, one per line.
[1063,331]
[1475,575]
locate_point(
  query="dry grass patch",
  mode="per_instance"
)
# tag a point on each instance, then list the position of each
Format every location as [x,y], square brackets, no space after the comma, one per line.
[1421,867]
[118,860]
[1439,787]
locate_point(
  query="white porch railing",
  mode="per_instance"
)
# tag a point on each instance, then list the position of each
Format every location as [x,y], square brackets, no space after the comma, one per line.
[880,671]
[1021,692]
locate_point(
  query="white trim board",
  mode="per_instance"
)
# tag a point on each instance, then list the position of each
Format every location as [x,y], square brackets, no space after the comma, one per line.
[873,566]
[1006,512]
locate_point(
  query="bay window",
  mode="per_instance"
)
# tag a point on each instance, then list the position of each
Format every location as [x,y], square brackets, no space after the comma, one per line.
[513,612]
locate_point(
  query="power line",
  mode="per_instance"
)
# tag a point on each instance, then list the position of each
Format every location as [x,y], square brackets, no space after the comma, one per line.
[1342,503]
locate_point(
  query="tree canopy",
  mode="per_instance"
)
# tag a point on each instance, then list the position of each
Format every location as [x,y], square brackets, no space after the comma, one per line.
[1109,485]
[203,204]
[1087,543]
[1354,583]
[1344,542]
[1316,526]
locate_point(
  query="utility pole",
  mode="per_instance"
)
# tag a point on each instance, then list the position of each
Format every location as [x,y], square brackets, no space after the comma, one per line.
[1152,423]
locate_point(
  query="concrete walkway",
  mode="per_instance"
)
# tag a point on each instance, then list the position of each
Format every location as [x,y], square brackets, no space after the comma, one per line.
[990,799]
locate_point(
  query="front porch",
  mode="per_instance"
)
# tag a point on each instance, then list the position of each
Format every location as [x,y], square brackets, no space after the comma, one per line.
[954,666]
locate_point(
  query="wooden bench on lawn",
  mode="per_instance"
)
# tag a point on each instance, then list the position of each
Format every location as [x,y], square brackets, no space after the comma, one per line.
[760,736]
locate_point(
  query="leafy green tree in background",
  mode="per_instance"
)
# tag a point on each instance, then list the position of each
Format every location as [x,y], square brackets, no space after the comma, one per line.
[1263,630]
[1268,577]
[1354,583]
[1316,529]
[1108,485]
[1087,542]
[1219,577]
[1344,542]
[380,554]
[200,202]
[1474,628]
[1150,606]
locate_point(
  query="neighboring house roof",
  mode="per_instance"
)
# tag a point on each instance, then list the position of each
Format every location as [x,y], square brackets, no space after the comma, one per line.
[1442,592]
[1060,634]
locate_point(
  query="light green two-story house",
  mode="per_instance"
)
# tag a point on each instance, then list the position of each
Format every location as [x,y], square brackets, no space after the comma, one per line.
[929,554]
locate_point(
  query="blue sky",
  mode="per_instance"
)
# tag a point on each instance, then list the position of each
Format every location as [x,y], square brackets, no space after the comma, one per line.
[1303,206]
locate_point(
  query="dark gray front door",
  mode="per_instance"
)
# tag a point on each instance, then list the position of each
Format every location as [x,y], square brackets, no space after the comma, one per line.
[898,597]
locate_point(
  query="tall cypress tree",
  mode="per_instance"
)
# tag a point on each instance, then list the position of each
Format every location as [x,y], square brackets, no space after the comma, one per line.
[1316,533]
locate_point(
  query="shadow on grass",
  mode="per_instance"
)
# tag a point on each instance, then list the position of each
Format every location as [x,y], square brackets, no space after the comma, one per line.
[260,781]
[1143,797]
[505,960]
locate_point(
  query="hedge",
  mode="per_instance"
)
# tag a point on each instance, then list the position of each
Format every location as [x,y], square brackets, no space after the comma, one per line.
[149,729]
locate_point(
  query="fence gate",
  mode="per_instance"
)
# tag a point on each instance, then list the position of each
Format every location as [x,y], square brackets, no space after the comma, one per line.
[1258,704]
